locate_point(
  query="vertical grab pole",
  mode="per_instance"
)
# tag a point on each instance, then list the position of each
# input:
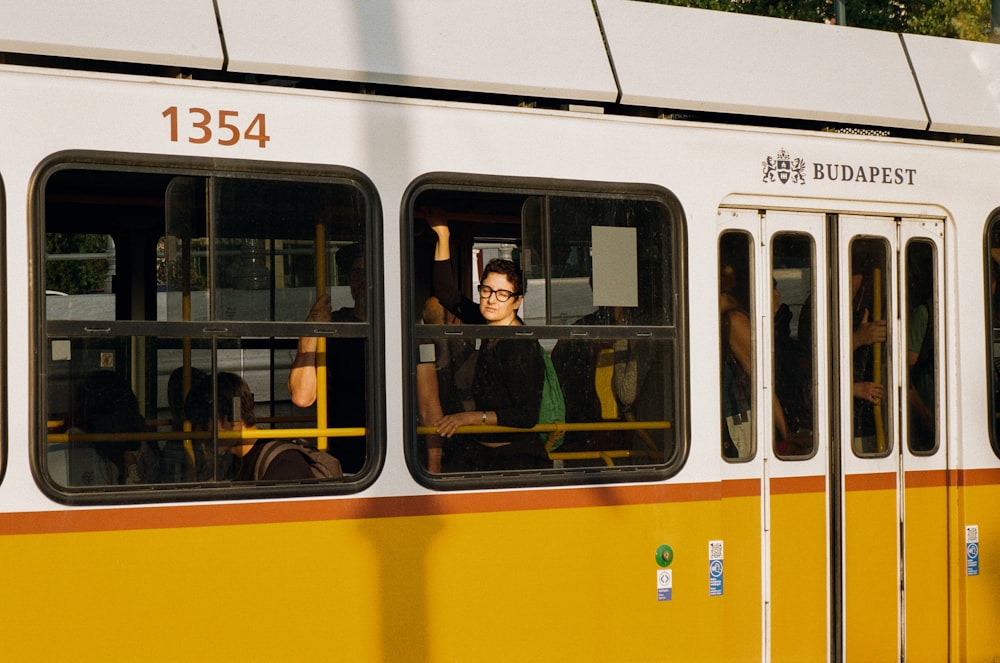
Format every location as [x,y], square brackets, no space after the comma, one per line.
[877,358]
[321,410]
[188,444]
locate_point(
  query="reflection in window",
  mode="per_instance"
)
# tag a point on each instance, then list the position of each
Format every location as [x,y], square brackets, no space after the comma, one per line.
[794,345]
[153,257]
[605,266]
[871,369]
[736,346]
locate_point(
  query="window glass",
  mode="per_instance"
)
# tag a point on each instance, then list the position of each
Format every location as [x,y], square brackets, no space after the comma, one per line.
[523,294]
[194,320]
[736,355]
[921,356]
[993,316]
[794,345]
[871,384]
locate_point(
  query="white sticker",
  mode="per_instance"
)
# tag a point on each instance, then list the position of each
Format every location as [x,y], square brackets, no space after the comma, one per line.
[427,354]
[715,550]
[664,584]
[61,350]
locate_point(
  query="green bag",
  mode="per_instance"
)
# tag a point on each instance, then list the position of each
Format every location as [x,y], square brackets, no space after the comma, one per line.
[553,407]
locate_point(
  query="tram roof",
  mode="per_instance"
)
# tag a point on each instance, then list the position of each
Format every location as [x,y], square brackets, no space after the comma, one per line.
[634,53]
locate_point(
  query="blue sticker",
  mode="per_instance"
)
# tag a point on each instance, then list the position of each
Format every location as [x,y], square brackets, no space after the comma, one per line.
[715,572]
[972,559]
[972,550]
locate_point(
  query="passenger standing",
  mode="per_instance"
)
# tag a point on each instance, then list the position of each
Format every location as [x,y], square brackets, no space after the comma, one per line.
[867,391]
[345,364]
[510,373]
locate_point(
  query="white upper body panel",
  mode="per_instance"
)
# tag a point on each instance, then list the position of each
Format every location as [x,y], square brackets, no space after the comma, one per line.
[182,33]
[547,49]
[960,81]
[700,60]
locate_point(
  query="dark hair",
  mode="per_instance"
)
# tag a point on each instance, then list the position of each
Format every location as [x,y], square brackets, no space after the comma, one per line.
[345,257]
[175,392]
[198,408]
[104,403]
[509,269]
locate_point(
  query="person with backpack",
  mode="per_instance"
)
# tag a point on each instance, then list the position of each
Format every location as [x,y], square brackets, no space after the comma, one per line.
[260,459]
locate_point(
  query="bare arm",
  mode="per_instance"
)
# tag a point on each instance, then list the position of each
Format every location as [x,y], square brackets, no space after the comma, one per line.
[429,412]
[302,377]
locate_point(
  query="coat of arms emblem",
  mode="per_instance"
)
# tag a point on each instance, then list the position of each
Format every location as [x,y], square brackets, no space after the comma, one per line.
[784,168]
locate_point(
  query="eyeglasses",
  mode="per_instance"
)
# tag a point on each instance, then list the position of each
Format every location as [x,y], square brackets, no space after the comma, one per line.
[502,295]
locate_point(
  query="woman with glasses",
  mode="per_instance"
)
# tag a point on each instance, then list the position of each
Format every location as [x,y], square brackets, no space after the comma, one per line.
[510,372]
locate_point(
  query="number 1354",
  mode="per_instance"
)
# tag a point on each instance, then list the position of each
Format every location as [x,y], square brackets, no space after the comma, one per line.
[201,126]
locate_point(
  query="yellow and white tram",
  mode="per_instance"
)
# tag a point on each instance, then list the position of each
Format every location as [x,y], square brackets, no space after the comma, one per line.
[760,254]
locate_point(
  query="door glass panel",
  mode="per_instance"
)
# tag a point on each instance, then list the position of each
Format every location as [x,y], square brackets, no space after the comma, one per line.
[921,291]
[736,345]
[870,346]
[794,347]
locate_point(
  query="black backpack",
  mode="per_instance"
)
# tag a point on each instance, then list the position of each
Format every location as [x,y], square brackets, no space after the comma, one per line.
[323,465]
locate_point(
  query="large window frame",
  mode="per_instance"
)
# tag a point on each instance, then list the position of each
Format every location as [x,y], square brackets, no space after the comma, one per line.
[140,320]
[481,224]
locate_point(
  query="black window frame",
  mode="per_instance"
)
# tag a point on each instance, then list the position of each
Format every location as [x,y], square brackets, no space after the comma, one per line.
[373,329]
[460,183]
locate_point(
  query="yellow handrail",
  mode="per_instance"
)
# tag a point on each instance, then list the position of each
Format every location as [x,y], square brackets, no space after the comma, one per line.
[559,427]
[280,433]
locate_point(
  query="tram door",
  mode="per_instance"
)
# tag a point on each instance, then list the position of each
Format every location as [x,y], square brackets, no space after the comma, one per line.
[889,555]
[782,255]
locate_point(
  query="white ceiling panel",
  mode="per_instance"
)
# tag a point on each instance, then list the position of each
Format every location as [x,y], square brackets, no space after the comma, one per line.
[546,48]
[694,59]
[960,81]
[181,33]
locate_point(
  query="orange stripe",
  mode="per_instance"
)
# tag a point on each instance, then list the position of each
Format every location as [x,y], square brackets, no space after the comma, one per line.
[222,513]
[877,481]
[978,477]
[794,485]
[215,514]
[741,488]
[926,479]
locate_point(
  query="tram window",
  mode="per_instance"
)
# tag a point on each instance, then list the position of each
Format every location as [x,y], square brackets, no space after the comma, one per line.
[588,280]
[736,334]
[921,357]
[794,345]
[871,386]
[993,316]
[170,293]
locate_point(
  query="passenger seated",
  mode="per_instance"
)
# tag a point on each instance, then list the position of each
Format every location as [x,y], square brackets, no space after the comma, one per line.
[103,402]
[233,392]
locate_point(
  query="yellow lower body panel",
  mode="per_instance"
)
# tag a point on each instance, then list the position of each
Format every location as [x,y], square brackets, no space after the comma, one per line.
[562,584]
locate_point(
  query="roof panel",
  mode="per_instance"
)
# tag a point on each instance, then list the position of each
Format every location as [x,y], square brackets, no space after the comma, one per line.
[549,49]
[695,59]
[960,81]
[182,33]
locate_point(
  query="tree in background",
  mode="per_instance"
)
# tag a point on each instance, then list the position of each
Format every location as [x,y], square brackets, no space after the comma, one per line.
[75,276]
[959,19]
